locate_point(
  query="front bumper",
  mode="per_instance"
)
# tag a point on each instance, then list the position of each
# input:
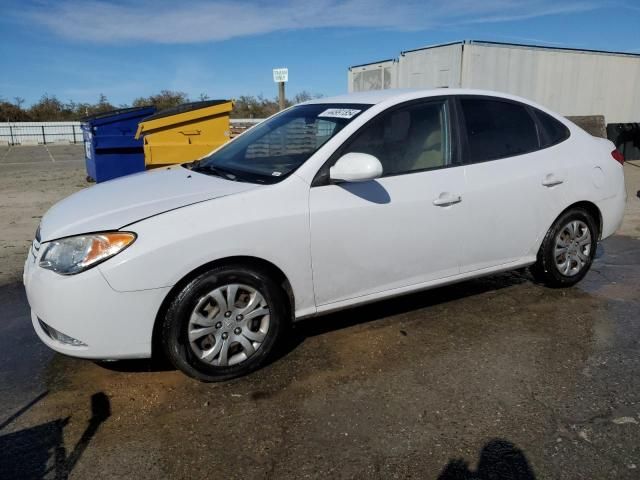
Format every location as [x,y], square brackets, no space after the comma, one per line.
[112,325]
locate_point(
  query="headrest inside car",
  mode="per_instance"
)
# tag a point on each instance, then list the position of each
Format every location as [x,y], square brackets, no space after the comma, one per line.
[397,128]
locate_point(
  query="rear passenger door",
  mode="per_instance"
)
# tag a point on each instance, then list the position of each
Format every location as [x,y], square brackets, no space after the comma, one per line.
[512,183]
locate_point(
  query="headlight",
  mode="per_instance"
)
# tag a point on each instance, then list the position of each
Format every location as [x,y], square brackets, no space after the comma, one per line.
[72,255]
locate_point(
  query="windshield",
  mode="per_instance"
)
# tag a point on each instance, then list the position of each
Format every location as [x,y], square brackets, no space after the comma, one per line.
[270,151]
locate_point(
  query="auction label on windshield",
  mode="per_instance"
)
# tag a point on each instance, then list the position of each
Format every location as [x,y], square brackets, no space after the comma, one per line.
[339,112]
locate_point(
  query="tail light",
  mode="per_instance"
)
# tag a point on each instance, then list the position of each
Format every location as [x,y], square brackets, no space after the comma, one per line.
[618,157]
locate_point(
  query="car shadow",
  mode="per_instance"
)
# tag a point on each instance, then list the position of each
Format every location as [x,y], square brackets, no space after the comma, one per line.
[371,191]
[352,316]
[499,459]
[381,309]
[406,303]
[156,364]
[39,451]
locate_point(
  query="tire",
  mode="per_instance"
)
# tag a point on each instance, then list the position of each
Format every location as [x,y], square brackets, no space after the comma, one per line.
[573,261]
[200,310]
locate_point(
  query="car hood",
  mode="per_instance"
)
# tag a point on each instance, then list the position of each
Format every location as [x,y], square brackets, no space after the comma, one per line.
[118,203]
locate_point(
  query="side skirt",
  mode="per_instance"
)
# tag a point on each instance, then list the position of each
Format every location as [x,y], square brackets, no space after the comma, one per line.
[396,292]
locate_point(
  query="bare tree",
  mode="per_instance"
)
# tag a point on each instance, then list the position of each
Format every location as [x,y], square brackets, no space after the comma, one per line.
[50,108]
[163,100]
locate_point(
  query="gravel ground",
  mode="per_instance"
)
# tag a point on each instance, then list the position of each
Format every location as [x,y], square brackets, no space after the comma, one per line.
[469,381]
[31,180]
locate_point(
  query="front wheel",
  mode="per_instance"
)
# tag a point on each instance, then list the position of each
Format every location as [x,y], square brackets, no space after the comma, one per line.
[225,323]
[567,250]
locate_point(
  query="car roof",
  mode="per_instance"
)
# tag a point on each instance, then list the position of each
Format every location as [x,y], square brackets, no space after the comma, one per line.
[369,96]
[394,95]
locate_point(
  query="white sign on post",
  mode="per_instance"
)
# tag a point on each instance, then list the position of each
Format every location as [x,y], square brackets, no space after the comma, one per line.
[280,75]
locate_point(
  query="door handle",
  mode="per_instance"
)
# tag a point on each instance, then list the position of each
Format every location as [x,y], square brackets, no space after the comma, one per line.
[550,180]
[445,199]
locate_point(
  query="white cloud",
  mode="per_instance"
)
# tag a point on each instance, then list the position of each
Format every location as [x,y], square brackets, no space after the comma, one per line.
[206,21]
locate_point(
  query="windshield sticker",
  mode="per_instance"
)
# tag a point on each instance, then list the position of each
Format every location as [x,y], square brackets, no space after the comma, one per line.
[339,112]
[276,174]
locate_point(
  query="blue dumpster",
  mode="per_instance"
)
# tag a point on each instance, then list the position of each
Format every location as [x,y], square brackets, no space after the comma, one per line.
[110,147]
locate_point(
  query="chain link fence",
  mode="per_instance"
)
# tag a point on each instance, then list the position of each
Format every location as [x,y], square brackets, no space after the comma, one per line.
[43,133]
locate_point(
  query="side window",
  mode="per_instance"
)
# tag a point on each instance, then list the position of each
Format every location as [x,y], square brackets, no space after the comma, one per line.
[407,139]
[553,131]
[497,129]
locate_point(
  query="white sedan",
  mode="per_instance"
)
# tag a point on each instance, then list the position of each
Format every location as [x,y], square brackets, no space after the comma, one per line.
[329,204]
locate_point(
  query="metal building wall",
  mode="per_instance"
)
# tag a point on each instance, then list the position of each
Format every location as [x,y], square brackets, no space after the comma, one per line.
[569,82]
[430,67]
[373,76]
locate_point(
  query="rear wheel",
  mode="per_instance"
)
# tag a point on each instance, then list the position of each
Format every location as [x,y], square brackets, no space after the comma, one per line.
[567,250]
[225,323]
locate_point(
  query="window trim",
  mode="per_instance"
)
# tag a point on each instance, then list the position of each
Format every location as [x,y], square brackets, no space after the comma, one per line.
[322,179]
[465,137]
[544,133]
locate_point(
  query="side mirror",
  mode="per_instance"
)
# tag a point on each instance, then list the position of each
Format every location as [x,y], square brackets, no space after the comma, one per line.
[356,167]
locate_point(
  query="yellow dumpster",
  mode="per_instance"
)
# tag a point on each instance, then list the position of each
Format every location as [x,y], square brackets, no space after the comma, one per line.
[184,133]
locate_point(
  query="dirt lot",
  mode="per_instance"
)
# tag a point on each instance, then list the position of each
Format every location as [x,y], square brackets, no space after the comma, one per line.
[492,375]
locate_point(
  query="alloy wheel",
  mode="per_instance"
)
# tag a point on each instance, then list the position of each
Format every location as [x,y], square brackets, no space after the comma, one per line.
[572,248]
[228,325]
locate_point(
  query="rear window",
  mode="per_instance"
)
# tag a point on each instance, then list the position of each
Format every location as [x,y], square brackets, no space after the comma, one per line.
[497,129]
[553,131]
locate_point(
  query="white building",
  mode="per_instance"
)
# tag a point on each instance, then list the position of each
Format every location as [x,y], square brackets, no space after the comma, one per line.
[569,81]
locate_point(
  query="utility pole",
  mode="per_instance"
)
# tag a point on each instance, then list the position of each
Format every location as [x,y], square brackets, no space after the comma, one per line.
[281,97]
[281,76]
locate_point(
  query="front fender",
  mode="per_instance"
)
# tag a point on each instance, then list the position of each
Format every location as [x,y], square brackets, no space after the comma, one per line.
[270,223]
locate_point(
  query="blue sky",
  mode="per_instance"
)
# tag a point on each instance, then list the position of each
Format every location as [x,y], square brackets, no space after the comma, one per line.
[227,48]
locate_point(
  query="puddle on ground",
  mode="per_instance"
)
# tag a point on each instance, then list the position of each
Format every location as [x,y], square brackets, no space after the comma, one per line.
[614,280]
[445,367]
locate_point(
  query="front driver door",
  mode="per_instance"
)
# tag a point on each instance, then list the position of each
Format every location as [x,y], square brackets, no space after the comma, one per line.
[400,230]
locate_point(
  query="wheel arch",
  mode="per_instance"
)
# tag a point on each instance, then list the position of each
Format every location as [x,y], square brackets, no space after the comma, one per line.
[257,263]
[586,205]
[591,208]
